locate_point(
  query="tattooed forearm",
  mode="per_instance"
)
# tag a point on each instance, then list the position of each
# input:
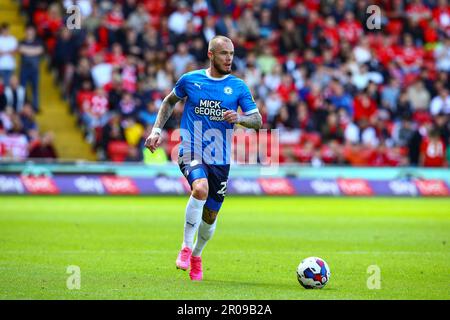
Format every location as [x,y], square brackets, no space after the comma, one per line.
[166,109]
[253,121]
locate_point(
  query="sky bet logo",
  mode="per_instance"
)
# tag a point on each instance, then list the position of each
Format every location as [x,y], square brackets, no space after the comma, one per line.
[211,108]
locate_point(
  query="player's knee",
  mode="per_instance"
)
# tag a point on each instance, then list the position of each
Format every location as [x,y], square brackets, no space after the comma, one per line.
[200,189]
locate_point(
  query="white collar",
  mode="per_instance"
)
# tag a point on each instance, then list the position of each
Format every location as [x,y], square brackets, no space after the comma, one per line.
[213,78]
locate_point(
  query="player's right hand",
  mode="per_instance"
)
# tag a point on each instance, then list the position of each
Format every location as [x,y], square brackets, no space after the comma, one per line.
[153,141]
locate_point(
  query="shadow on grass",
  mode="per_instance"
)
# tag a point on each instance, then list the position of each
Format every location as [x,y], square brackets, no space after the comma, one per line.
[254,285]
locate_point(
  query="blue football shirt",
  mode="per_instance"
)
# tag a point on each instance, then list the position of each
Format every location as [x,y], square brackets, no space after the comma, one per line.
[204,133]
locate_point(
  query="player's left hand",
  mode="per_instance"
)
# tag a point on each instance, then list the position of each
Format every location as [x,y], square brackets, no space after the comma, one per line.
[231,116]
[153,141]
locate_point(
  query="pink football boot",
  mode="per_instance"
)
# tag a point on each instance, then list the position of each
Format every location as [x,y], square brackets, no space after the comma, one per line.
[183,259]
[196,273]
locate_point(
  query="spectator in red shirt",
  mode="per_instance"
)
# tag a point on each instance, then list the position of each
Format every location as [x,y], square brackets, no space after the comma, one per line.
[385,51]
[84,95]
[286,87]
[312,5]
[432,150]
[129,75]
[116,56]
[331,33]
[114,21]
[329,153]
[350,29]
[48,25]
[44,148]
[95,113]
[430,33]
[418,12]
[378,157]
[409,56]
[441,15]
[91,46]
[304,154]
[364,107]
[99,104]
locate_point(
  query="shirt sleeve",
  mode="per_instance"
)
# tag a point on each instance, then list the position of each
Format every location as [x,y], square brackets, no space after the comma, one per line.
[435,106]
[179,89]
[246,101]
[15,44]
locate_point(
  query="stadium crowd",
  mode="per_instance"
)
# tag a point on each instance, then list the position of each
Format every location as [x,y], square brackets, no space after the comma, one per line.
[20,137]
[343,86]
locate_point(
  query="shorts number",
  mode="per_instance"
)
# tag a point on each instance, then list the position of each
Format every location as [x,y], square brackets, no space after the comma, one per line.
[224,189]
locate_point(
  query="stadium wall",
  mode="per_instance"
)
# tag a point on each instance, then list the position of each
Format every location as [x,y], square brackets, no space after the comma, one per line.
[292,180]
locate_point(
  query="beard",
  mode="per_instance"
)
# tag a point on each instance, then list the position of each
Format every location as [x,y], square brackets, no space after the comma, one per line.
[220,69]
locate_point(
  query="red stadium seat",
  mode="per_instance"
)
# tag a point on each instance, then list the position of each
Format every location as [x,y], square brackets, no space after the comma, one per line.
[422,117]
[117,151]
[302,155]
[314,137]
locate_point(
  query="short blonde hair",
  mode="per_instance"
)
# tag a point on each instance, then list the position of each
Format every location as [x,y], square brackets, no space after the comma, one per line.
[212,45]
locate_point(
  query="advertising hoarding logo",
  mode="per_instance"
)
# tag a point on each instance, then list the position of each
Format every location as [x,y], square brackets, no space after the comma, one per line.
[11,184]
[119,185]
[245,186]
[432,187]
[89,185]
[277,186]
[169,185]
[321,187]
[355,187]
[39,185]
[403,188]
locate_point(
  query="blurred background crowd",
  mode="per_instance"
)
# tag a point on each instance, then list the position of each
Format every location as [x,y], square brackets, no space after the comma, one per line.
[339,90]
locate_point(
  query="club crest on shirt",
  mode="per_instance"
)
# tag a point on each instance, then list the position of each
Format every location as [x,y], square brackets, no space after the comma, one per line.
[227,90]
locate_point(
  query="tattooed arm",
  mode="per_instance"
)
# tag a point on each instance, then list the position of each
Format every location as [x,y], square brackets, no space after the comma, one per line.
[165,111]
[252,121]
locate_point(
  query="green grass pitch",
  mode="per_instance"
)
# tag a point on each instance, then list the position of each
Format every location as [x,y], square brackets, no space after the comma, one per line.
[126,248]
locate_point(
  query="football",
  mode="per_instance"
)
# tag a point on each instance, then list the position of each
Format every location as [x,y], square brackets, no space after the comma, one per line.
[313,273]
